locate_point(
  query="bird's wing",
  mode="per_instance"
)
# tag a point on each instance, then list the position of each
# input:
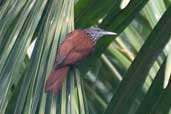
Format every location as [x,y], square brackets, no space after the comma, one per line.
[61,58]
[82,47]
[74,48]
[64,50]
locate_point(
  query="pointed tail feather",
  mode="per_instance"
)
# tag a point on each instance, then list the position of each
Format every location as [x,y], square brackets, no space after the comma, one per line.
[55,79]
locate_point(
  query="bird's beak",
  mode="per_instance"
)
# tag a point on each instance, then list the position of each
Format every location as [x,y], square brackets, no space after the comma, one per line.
[108,33]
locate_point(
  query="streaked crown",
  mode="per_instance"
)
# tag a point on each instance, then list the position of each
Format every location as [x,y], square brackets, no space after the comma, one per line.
[96,33]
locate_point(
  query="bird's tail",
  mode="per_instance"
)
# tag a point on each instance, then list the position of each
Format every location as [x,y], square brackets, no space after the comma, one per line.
[55,79]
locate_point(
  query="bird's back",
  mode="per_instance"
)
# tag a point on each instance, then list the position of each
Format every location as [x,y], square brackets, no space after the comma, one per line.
[76,46]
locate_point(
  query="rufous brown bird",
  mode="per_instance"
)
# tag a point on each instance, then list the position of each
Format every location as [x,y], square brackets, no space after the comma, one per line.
[77,45]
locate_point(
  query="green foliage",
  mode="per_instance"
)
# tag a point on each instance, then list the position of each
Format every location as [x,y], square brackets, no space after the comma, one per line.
[127,74]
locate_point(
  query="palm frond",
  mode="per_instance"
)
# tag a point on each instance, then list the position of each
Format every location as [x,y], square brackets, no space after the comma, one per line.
[127,74]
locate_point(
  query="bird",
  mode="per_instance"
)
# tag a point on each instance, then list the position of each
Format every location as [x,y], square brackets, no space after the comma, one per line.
[76,46]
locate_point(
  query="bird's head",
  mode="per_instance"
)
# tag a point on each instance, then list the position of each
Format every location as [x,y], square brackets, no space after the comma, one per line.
[96,33]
